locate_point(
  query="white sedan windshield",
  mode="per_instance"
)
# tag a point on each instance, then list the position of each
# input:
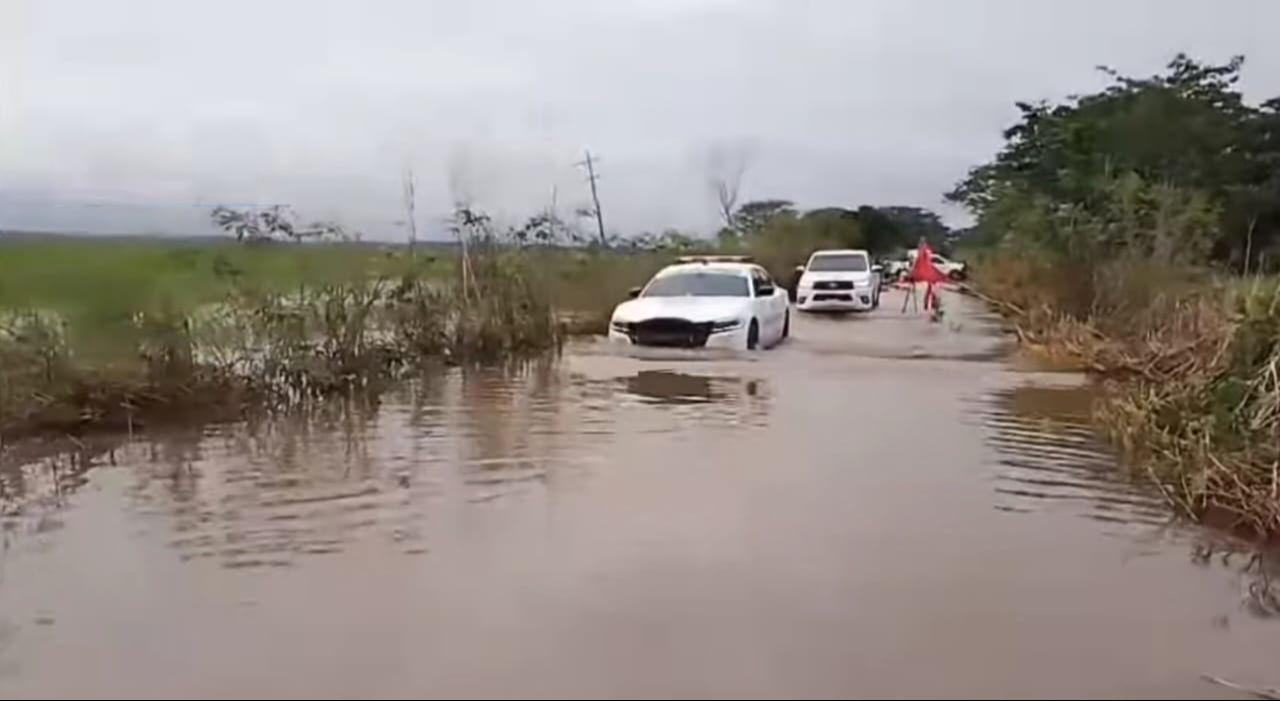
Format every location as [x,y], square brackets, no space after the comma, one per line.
[699,285]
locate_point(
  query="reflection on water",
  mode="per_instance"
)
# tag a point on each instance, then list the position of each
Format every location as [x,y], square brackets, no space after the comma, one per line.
[1050,454]
[275,492]
[666,387]
[670,401]
[1257,571]
[669,387]
[37,478]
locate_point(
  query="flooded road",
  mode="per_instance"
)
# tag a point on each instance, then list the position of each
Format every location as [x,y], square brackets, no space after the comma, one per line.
[879,506]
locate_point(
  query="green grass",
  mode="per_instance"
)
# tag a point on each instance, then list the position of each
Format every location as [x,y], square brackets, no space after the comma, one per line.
[93,284]
[586,285]
[100,331]
[108,280]
[97,287]
[95,332]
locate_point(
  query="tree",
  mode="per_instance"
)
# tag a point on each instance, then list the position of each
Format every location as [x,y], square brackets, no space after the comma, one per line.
[910,224]
[726,164]
[274,223]
[881,234]
[542,229]
[1187,128]
[254,225]
[838,226]
[754,215]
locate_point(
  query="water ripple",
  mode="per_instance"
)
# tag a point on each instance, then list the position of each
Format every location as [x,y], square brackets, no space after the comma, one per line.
[1048,455]
[273,493]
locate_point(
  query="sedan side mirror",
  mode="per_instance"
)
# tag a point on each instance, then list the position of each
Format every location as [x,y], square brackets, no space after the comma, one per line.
[634,292]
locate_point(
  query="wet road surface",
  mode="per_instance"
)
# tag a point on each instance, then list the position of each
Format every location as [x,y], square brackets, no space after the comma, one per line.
[879,506]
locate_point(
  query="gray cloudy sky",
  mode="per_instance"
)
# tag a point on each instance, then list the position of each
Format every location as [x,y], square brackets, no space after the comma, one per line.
[122,115]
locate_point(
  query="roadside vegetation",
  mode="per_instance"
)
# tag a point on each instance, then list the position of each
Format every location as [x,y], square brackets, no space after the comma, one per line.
[1136,231]
[122,334]
[113,333]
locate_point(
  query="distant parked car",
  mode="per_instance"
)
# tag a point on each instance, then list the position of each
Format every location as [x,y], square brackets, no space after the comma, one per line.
[705,301]
[838,280]
[893,268]
[954,270]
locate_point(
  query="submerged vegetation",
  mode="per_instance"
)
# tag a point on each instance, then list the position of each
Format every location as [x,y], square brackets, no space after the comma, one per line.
[121,334]
[264,345]
[1136,231]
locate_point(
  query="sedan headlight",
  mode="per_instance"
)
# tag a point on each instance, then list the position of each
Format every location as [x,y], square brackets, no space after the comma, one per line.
[726,325]
[620,326]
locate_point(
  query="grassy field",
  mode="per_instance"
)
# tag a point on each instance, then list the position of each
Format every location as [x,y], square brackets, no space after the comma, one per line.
[95,286]
[109,331]
[98,331]
[106,280]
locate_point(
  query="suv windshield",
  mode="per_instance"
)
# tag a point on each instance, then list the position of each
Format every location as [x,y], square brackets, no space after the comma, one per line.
[853,262]
[698,285]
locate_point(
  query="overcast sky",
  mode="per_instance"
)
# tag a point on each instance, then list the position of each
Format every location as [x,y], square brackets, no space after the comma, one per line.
[131,116]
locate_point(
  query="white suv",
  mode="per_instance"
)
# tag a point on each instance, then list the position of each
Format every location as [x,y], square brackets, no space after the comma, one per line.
[838,280]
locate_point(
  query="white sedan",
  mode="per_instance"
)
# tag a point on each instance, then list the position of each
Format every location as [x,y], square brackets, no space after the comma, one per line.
[713,302]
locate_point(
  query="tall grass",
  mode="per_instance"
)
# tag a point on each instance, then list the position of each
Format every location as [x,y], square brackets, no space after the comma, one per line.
[1192,363]
[586,284]
[109,332]
[226,327]
[1204,421]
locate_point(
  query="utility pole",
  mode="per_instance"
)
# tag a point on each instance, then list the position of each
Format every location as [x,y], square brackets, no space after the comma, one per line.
[595,197]
[552,219]
[410,203]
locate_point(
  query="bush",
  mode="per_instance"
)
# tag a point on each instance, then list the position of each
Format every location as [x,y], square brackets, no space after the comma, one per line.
[1206,428]
[1193,393]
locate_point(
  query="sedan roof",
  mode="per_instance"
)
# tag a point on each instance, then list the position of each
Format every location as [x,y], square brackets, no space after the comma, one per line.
[723,268]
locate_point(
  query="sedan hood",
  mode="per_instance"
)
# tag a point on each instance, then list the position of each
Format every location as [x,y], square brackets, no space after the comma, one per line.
[696,309]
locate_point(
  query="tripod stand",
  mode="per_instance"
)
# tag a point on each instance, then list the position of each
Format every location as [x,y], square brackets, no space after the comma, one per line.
[911,298]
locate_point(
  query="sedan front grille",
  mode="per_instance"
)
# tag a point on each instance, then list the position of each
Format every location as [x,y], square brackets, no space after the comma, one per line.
[671,333]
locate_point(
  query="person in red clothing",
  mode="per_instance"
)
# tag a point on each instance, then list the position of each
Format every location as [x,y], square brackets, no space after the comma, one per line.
[923,270]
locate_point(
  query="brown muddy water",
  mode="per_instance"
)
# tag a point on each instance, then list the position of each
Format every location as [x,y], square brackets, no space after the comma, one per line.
[879,506]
